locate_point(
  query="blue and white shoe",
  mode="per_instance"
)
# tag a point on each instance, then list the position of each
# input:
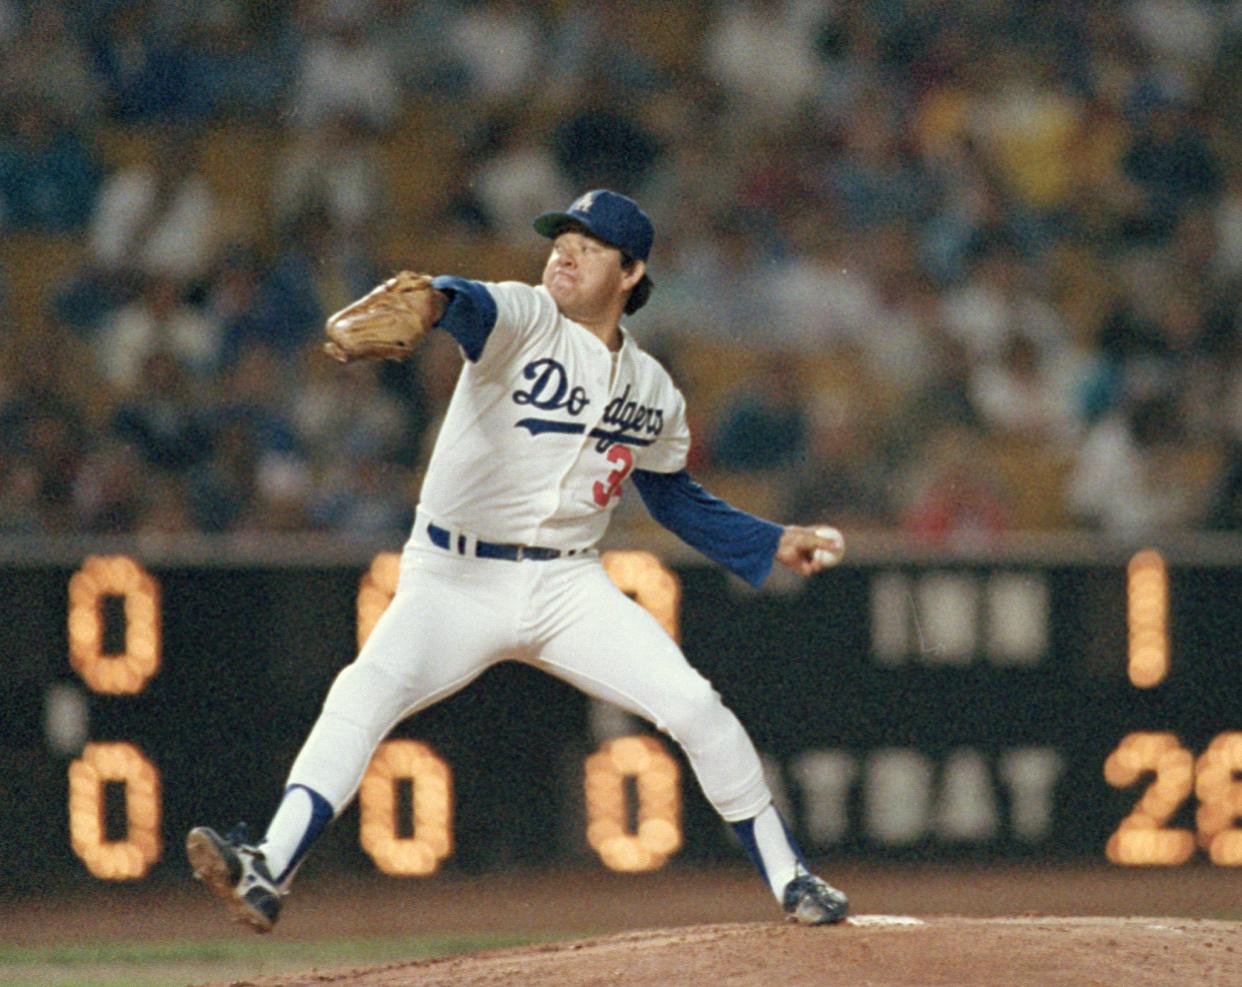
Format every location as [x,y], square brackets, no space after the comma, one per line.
[810,900]
[235,871]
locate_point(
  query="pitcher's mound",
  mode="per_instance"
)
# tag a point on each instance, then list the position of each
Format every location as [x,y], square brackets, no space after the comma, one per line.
[867,951]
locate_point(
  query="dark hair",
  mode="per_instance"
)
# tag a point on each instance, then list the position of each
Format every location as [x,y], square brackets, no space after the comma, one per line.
[640,292]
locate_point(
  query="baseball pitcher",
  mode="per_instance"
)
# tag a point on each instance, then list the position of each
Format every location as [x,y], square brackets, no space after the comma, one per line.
[556,408]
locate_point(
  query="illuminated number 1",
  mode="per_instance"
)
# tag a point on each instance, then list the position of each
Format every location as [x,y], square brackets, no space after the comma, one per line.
[1147,612]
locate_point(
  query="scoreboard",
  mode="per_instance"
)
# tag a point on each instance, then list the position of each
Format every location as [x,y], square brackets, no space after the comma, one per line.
[1026,704]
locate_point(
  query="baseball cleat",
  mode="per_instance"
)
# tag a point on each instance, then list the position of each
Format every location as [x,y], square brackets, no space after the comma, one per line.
[236,872]
[812,901]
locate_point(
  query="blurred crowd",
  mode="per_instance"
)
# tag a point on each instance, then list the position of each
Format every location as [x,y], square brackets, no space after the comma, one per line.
[954,267]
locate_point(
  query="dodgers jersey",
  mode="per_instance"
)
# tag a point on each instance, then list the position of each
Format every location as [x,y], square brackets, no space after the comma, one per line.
[545,425]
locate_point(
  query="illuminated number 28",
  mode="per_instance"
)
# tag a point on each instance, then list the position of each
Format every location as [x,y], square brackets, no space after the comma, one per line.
[1142,838]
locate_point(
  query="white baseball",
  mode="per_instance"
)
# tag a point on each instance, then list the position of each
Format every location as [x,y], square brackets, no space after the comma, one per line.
[825,557]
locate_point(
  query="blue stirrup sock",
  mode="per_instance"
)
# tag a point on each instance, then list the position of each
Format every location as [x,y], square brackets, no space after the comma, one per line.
[300,818]
[771,848]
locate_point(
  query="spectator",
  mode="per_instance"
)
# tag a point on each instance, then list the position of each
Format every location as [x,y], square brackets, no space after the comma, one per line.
[848,45]
[221,488]
[1019,395]
[895,344]
[232,300]
[48,174]
[49,67]
[843,476]
[19,496]
[1224,510]
[366,498]
[348,415]
[1184,35]
[518,176]
[56,448]
[343,72]
[707,256]
[819,298]
[168,509]
[598,40]
[160,420]
[320,270]
[775,186]
[256,399]
[43,434]
[956,499]
[108,492]
[1124,481]
[157,217]
[1227,216]
[236,71]
[941,402]
[764,427]
[158,320]
[1171,162]
[142,65]
[762,52]
[498,43]
[256,474]
[999,298]
[423,70]
[1027,125]
[282,500]
[600,143]
[875,180]
[334,166]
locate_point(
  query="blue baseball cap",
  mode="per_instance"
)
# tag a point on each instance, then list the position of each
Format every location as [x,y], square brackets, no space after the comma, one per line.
[608,216]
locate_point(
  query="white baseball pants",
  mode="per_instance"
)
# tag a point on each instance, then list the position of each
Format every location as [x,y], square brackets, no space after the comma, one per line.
[453,617]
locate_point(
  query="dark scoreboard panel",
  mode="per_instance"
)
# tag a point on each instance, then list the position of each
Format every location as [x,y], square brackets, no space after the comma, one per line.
[906,707]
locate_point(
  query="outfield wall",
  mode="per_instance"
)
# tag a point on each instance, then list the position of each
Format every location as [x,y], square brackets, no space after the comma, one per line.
[1058,699]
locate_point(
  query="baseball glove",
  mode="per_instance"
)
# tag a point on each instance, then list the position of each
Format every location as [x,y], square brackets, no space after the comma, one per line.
[385,323]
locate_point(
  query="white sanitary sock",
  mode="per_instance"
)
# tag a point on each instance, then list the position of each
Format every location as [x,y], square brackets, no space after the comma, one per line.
[299,819]
[770,848]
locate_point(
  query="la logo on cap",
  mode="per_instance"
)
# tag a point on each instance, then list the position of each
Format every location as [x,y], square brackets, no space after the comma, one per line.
[584,203]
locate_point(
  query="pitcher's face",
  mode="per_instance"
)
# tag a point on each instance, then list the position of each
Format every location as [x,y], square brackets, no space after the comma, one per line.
[585,278]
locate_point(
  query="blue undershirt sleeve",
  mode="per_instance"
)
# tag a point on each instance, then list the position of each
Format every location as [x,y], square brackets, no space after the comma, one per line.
[470,314]
[742,543]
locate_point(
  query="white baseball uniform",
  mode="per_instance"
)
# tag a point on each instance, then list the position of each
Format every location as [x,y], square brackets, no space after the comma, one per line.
[543,428]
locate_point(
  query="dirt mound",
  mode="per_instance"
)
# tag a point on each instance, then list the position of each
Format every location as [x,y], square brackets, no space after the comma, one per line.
[869,951]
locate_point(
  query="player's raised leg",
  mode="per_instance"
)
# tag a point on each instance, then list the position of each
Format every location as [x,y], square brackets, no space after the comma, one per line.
[637,666]
[431,641]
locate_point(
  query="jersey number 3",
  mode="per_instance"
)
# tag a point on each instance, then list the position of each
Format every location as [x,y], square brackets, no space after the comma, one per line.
[604,492]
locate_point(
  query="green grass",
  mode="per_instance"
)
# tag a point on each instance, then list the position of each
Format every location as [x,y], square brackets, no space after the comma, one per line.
[165,964]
